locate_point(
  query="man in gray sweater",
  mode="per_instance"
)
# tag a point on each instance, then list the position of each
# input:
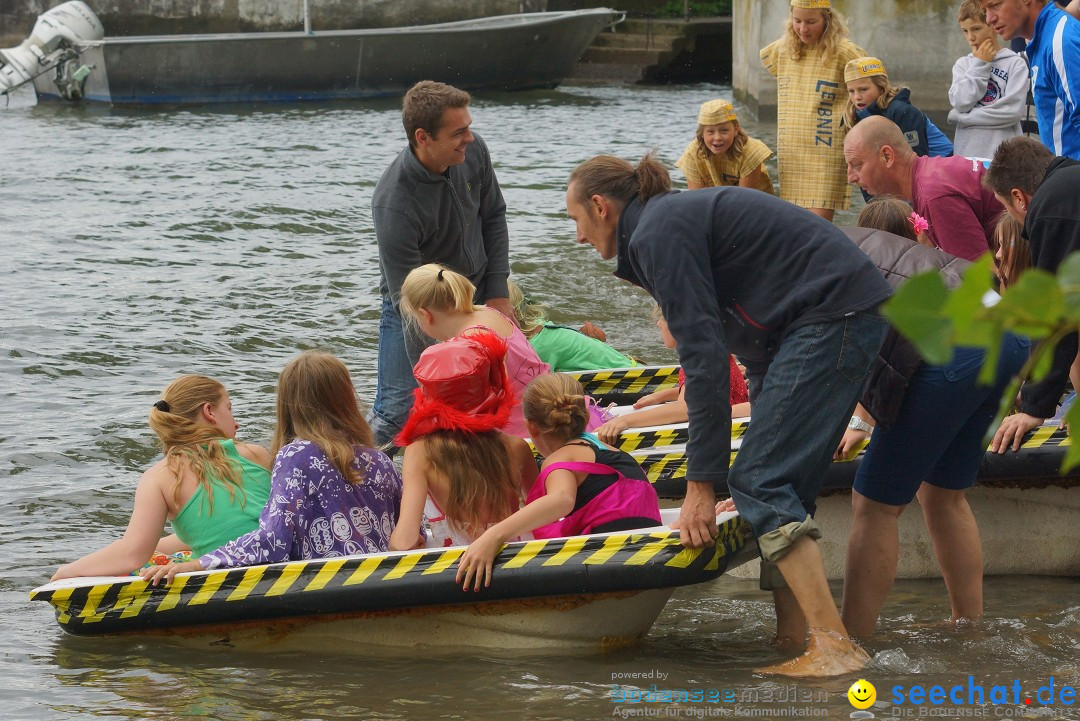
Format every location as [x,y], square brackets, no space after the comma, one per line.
[437,202]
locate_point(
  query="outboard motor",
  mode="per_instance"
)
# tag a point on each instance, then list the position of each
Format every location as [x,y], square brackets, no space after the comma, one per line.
[57,40]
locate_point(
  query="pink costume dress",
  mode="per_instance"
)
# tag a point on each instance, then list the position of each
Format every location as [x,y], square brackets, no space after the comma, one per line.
[522,365]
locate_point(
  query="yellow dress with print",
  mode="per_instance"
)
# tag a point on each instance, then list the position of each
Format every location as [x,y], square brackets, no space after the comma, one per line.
[810,99]
[712,170]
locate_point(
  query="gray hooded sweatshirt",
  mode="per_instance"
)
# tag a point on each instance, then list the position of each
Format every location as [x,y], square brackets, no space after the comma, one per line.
[457,219]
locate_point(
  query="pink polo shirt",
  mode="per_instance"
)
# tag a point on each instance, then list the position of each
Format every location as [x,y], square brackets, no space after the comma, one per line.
[948,192]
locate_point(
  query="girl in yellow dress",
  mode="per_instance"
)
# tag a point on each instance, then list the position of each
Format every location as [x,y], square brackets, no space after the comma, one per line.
[722,153]
[808,63]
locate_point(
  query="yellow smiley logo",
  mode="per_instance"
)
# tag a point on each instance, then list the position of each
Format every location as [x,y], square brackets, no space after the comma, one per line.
[862,694]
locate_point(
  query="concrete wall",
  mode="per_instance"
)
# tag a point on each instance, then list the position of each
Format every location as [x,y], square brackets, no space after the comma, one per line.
[153,17]
[918,40]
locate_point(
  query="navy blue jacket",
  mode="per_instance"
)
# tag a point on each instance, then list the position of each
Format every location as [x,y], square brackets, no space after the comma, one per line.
[734,270]
[911,120]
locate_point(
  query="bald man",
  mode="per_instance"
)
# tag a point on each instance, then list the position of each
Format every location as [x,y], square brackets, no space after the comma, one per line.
[948,192]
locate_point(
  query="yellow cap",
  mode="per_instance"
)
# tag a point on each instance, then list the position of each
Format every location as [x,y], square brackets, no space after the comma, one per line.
[714,112]
[863,68]
[811,4]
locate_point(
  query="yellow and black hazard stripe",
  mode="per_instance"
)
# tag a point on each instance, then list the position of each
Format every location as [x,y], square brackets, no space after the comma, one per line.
[625,385]
[674,435]
[577,565]
[640,440]
[1039,457]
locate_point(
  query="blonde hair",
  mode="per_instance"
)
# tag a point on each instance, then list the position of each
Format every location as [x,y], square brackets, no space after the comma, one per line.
[436,287]
[1008,235]
[835,32]
[184,438]
[530,317]
[316,402]
[971,10]
[731,153]
[888,213]
[616,179]
[888,93]
[484,487]
[556,404]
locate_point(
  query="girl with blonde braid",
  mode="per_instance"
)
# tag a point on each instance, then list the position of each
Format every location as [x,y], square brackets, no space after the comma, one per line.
[584,486]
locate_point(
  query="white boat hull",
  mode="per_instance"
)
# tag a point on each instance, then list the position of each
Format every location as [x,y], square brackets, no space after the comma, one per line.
[583,623]
[1025,531]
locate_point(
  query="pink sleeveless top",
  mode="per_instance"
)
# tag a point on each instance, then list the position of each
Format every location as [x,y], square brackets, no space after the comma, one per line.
[625,498]
[522,365]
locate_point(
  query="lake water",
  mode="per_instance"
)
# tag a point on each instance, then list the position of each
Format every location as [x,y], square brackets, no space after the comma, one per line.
[139,245]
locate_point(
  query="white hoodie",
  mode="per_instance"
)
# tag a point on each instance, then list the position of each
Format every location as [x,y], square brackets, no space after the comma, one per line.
[988,102]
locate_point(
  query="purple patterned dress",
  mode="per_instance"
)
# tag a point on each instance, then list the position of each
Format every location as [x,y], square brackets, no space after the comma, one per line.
[313,512]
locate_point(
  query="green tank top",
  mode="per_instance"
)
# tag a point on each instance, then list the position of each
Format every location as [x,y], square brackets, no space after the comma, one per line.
[231,518]
[565,350]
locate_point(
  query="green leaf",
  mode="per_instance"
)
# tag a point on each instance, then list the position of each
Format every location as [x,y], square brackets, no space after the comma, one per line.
[917,312]
[1069,280]
[964,304]
[988,371]
[1008,402]
[1044,360]
[965,308]
[1033,306]
[1072,455]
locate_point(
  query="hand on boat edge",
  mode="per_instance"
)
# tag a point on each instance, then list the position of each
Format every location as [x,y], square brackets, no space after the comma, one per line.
[697,518]
[1012,430]
[725,506]
[154,574]
[475,564]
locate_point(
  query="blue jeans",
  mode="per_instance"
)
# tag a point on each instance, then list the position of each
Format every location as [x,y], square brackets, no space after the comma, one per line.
[399,348]
[801,400]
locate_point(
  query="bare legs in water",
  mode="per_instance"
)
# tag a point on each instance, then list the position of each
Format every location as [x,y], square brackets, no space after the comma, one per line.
[830,651]
[873,552]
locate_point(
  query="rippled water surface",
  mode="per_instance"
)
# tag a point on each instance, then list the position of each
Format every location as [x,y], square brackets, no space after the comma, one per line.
[138,245]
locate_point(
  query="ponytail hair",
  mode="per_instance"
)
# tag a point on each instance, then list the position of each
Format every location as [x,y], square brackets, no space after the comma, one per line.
[556,404]
[175,420]
[530,316]
[616,179]
[436,287]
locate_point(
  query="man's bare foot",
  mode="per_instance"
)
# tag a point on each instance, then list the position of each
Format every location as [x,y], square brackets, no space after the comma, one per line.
[789,646]
[828,654]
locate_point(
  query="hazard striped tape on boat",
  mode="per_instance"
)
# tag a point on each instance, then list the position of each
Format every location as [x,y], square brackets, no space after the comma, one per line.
[1039,458]
[601,563]
[623,386]
[675,434]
